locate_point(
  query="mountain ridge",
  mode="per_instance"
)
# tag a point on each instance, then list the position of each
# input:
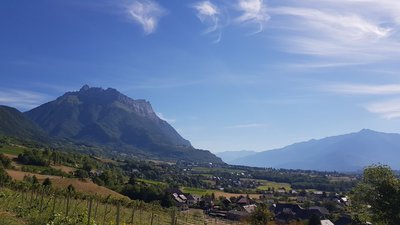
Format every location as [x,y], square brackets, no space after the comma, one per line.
[110,120]
[15,124]
[78,114]
[346,152]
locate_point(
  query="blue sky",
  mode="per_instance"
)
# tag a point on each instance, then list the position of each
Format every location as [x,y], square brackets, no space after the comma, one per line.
[228,75]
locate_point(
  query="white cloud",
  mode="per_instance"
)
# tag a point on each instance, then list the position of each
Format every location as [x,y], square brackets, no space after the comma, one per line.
[209,14]
[389,109]
[336,23]
[169,120]
[147,13]
[253,11]
[321,65]
[389,89]
[248,125]
[348,30]
[21,99]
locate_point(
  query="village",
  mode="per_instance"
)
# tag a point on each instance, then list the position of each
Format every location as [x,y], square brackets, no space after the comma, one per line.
[285,205]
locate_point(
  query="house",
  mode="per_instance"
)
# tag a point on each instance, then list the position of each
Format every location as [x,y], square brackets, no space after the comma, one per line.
[177,198]
[226,202]
[281,191]
[344,200]
[192,199]
[183,197]
[319,211]
[287,212]
[243,201]
[250,208]
[180,198]
[326,222]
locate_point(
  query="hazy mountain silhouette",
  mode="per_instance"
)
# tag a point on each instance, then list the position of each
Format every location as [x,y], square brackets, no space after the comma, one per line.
[347,152]
[231,156]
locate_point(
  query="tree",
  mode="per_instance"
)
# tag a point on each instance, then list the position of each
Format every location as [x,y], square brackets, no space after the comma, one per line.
[34,180]
[71,189]
[314,220]
[5,161]
[4,178]
[380,189]
[47,182]
[260,216]
[81,174]
[132,179]
[167,200]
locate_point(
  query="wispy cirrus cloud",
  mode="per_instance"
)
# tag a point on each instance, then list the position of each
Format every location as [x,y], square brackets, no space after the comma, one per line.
[253,11]
[363,89]
[147,13]
[389,109]
[22,99]
[209,14]
[322,65]
[247,125]
[360,31]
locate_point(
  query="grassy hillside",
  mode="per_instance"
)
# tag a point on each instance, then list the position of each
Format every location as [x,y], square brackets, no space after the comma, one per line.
[81,185]
[16,124]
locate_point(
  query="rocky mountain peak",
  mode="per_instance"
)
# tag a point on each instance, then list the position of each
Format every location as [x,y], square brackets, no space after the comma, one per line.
[111,120]
[84,88]
[112,96]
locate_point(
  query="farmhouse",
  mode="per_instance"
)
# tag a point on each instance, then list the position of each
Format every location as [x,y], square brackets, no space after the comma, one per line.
[287,212]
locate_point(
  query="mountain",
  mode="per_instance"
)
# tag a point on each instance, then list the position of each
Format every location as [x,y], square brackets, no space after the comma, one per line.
[348,152]
[231,156]
[107,118]
[15,124]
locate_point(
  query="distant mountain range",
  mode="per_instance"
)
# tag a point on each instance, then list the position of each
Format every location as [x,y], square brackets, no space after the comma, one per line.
[115,123]
[107,119]
[231,156]
[348,152]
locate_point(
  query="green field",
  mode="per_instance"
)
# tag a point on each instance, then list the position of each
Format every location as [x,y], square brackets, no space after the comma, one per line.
[270,184]
[12,150]
[197,191]
[151,182]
